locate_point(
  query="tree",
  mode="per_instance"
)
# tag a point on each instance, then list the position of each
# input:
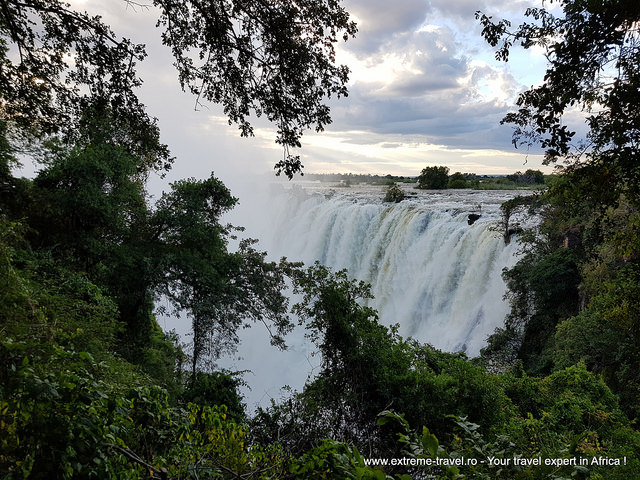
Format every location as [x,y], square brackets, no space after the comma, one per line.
[591,208]
[394,194]
[275,59]
[220,290]
[42,92]
[433,178]
[88,208]
[593,51]
[271,58]
[457,180]
[530,177]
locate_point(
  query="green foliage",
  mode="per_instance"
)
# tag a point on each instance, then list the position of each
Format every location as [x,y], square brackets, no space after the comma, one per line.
[83,256]
[572,413]
[596,317]
[57,414]
[208,443]
[394,194]
[604,337]
[357,352]
[87,208]
[331,310]
[577,381]
[217,388]
[45,302]
[530,177]
[587,338]
[490,182]
[543,287]
[451,460]
[73,421]
[331,459]
[433,178]
[365,368]
[65,412]
[575,417]
[458,180]
[86,200]
[542,290]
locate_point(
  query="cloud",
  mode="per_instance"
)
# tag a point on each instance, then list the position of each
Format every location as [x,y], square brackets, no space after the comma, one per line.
[424,82]
[380,20]
[465,9]
[431,63]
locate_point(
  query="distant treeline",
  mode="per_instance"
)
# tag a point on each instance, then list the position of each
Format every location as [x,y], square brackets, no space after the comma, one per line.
[354,178]
[437,177]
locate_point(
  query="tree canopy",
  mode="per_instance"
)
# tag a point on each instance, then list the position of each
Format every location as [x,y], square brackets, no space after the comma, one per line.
[275,59]
[433,178]
[574,292]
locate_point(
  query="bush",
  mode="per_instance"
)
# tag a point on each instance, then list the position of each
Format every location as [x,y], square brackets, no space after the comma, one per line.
[458,180]
[394,194]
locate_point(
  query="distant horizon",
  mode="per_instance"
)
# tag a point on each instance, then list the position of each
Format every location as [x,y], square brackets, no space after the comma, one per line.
[492,175]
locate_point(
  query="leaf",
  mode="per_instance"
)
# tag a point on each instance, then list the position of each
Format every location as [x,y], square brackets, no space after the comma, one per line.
[388,415]
[429,442]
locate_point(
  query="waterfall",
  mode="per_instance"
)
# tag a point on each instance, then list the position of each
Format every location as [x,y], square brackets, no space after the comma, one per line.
[431,272]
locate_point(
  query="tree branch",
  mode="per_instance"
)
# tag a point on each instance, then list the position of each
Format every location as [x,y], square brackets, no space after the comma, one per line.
[162,472]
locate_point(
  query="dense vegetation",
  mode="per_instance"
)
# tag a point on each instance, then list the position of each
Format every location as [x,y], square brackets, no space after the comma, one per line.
[91,387]
[355,178]
[574,293]
[438,178]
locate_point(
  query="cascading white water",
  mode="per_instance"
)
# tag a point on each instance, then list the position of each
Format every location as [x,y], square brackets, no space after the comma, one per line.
[431,272]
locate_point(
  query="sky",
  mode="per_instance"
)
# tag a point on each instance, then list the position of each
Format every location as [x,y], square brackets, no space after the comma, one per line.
[424,88]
